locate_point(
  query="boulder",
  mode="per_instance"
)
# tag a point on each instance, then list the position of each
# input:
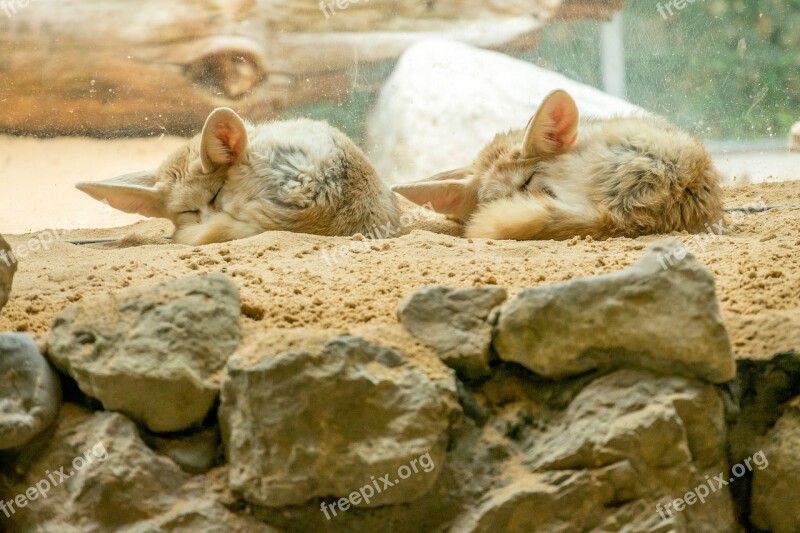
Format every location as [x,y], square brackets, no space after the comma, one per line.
[30,393]
[660,314]
[445,101]
[155,353]
[97,475]
[195,453]
[8,266]
[776,469]
[794,138]
[454,323]
[305,417]
[625,448]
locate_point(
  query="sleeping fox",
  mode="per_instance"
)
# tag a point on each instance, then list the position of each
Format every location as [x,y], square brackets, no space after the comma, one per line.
[236,180]
[616,177]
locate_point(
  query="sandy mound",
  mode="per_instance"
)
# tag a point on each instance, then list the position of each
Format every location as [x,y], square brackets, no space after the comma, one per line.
[293,280]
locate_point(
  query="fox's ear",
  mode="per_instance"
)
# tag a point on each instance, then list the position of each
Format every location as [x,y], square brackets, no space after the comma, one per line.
[132,193]
[554,128]
[450,193]
[224,139]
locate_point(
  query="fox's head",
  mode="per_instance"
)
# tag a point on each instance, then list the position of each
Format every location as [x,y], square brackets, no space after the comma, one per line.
[506,166]
[188,187]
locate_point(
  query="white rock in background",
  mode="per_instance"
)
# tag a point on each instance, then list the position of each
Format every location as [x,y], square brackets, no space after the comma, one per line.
[446,100]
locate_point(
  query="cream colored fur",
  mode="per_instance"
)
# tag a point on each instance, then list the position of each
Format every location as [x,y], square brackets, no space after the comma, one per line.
[236,180]
[561,177]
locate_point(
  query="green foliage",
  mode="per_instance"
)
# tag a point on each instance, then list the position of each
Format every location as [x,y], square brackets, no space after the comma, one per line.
[722,69]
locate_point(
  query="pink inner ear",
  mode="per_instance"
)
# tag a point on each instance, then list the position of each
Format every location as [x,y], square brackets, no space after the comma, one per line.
[564,121]
[230,138]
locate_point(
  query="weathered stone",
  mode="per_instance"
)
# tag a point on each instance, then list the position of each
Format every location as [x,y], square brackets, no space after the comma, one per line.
[115,483]
[195,453]
[434,98]
[625,448]
[319,418]
[8,266]
[155,354]
[776,471]
[660,314]
[455,323]
[30,393]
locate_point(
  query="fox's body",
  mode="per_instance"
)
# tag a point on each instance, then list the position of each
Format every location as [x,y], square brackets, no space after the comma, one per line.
[237,180]
[619,177]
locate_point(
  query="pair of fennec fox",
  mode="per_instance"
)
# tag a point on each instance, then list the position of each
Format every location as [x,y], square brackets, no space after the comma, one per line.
[558,178]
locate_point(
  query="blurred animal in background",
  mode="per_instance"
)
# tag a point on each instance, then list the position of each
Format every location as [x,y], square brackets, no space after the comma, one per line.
[236,180]
[563,177]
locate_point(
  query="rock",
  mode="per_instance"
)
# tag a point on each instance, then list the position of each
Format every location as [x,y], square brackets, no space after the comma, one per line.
[30,393]
[155,354]
[8,266]
[660,314]
[195,453]
[625,448]
[435,112]
[455,323]
[776,469]
[309,417]
[113,482]
[794,138]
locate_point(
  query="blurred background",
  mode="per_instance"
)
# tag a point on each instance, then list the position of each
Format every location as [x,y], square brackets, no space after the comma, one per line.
[91,89]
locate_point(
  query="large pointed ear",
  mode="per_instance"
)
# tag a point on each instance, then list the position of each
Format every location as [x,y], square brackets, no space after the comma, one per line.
[224,139]
[554,128]
[132,193]
[450,193]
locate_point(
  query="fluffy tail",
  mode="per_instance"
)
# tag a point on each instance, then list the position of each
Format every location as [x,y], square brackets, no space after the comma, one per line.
[537,218]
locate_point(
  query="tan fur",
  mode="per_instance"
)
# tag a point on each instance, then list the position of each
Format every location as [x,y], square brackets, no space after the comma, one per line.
[615,177]
[236,180]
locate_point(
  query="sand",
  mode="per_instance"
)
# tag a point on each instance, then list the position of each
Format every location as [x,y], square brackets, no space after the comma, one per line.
[293,280]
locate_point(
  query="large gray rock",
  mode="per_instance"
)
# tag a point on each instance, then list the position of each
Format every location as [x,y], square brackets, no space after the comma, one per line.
[30,393]
[435,112]
[303,417]
[8,266]
[625,448]
[155,354]
[113,482]
[660,314]
[455,323]
[776,471]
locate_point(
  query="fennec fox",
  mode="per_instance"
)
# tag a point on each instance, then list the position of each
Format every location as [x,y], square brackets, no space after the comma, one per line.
[617,177]
[236,180]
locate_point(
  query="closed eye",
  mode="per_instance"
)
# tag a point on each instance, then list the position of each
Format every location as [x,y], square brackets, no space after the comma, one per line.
[528,181]
[214,199]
